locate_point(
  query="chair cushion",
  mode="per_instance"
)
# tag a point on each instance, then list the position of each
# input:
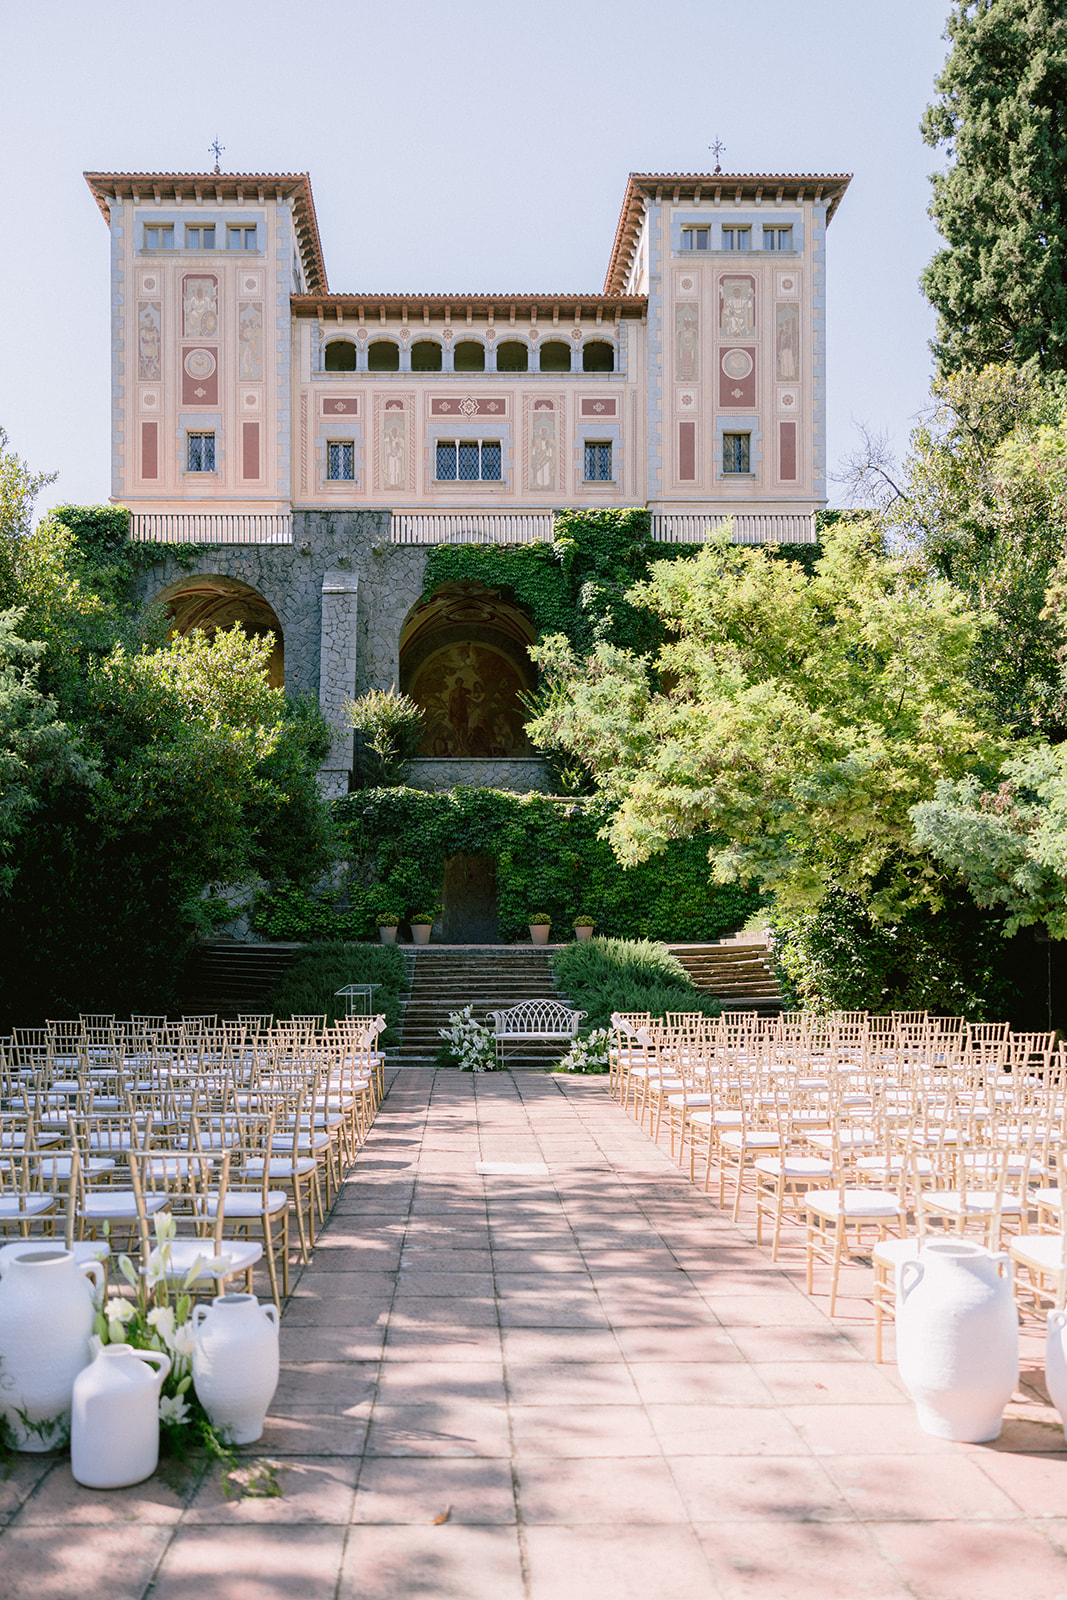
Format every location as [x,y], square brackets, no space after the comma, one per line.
[857,1203]
[1045,1251]
[120,1203]
[239,1255]
[242,1203]
[25,1205]
[794,1166]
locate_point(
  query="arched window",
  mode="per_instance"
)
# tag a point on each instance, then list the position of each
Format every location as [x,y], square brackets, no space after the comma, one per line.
[598,356]
[426,356]
[555,356]
[470,356]
[383,356]
[340,356]
[512,356]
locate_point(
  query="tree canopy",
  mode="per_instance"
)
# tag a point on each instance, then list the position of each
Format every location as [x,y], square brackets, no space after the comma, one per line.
[797,717]
[1000,284]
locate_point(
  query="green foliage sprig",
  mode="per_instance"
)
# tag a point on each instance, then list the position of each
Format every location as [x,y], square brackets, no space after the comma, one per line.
[600,976]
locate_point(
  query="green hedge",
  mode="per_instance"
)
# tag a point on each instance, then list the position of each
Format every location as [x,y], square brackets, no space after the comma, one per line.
[600,976]
[549,857]
[310,984]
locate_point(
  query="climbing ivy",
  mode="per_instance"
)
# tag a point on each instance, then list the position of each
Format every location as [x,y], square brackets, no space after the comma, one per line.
[576,584]
[548,854]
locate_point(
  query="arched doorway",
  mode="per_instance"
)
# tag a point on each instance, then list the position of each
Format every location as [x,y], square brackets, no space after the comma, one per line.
[211,602]
[464,658]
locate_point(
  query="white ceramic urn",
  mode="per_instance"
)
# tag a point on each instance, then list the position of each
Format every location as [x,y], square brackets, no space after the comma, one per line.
[114,1419]
[958,1339]
[1056,1363]
[46,1321]
[235,1363]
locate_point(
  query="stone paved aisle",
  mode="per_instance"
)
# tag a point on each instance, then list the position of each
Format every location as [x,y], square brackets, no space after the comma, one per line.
[573,1383]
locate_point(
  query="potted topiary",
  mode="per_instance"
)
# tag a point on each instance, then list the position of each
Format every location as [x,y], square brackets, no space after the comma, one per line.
[583,927]
[421,926]
[387,926]
[540,922]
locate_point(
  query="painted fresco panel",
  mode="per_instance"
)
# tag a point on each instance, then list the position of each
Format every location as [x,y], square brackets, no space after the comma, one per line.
[787,342]
[200,307]
[149,340]
[394,452]
[687,342]
[687,452]
[737,305]
[250,339]
[544,446]
[470,694]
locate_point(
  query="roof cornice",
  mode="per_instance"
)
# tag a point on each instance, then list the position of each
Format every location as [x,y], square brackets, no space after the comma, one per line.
[224,187]
[643,186]
[415,307]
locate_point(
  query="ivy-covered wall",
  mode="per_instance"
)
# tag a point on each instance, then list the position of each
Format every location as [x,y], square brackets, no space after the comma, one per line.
[548,858]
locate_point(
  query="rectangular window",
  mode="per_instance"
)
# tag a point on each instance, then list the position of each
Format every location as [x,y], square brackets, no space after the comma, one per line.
[777,238]
[200,452]
[200,238]
[737,238]
[468,461]
[696,238]
[341,461]
[735,452]
[597,462]
[161,238]
[240,238]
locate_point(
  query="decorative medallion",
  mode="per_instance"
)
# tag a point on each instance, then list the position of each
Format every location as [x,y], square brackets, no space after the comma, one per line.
[687,399]
[361,335]
[251,401]
[787,399]
[149,284]
[150,400]
[251,285]
[200,363]
[687,283]
[737,363]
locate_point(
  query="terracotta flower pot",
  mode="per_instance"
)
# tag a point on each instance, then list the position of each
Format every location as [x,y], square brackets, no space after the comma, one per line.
[582,930]
[387,935]
[420,932]
[539,932]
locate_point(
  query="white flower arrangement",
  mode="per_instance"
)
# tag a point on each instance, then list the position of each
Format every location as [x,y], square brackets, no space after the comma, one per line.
[589,1054]
[470,1041]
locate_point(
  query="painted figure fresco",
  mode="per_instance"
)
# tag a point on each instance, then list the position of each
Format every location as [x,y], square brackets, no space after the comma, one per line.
[200,308]
[543,446]
[686,342]
[787,342]
[737,307]
[149,330]
[250,339]
[394,446]
[470,694]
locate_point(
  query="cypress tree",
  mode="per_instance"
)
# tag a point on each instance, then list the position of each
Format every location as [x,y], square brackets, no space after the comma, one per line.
[1000,285]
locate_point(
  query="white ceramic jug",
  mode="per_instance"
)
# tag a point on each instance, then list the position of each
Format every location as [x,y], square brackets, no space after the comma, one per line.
[235,1363]
[958,1339]
[1056,1363]
[114,1419]
[46,1319]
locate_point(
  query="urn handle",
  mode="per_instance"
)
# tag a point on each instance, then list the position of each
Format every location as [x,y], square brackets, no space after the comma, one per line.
[1004,1263]
[271,1313]
[911,1275]
[154,1356]
[94,1270]
[1057,1320]
[199,1313]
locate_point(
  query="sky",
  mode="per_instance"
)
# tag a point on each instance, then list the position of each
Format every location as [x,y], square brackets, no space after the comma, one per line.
[478,145]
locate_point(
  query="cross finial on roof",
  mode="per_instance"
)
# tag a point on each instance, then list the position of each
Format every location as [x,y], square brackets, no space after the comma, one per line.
[717,150]
[216,150]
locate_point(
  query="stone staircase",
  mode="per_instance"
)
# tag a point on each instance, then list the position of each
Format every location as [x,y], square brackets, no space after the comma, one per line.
[736,971]
[446,978]
[225,978]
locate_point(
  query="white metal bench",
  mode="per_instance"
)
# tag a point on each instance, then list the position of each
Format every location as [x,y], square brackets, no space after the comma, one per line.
[534,1022]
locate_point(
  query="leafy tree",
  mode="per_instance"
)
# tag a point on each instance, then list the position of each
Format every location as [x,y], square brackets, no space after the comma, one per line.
[798,718]
[980,500]
[35,747]
[1000,285]
[1009,843]
[19,488]
[391,729]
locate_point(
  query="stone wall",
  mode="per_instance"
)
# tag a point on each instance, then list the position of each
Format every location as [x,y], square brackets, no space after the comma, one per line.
[521,774]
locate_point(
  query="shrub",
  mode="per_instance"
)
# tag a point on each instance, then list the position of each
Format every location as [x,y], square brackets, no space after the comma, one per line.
[600,976]
[391,727]
[310,985]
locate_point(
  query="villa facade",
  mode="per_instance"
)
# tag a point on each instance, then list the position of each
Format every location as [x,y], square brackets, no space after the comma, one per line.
[320,442]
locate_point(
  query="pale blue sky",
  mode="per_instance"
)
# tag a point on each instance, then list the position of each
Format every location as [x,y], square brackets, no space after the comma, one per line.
[482,144]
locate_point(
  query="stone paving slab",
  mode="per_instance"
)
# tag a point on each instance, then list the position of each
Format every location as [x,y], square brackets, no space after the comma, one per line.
[575,1379]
